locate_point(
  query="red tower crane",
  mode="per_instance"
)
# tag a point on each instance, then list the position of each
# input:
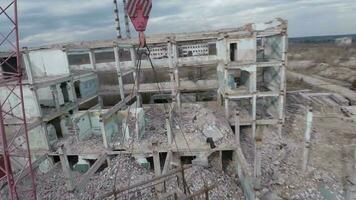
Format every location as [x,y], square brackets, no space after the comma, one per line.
[16,174]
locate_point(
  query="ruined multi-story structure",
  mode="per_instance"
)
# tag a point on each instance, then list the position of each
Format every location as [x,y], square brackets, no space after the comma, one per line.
[181,106]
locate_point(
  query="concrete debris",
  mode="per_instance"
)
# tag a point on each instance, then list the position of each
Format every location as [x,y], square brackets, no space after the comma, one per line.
[91,145]
[52,185]
[281,163]
[201,122]
[227,187]
[129,172]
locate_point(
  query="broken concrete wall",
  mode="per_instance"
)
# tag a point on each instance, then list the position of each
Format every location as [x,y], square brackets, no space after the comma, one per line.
[32,109]
[48,62]
[246,50]
[111,128]
[273,48]
[51,134]
[88,87]
[84,127]
[45,96]
[95,122]
[38,139]
[268,78]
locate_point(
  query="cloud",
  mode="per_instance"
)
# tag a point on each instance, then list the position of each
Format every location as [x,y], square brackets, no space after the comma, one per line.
[55,21]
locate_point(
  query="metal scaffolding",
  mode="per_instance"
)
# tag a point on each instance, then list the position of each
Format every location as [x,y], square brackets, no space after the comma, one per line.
[15,163]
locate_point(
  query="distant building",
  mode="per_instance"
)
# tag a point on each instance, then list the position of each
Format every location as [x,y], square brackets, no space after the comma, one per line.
[344,41]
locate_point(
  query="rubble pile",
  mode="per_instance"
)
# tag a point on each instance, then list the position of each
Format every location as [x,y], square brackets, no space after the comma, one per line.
[227,187]
[199,121]
[155,128]
[72,144]
[282,173]
[126,171]
[52,184]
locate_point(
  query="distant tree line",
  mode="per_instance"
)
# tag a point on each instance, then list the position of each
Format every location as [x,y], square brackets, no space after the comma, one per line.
[319,39]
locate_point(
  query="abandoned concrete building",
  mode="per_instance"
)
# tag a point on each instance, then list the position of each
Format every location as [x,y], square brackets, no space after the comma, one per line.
[186,118]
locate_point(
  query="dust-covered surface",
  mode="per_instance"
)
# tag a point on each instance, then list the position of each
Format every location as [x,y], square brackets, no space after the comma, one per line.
[89,145]
[191,125]
[199,121]
[330,155]
[52,184]
[155,120]
[227,185]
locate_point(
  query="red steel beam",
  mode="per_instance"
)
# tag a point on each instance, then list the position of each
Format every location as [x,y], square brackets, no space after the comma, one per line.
[16,189]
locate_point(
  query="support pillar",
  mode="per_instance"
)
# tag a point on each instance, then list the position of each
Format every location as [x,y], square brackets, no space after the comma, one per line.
[176,73]
[136,77]
[254,102]
[137,126]
[171,70]
[307,136]
[237,127]
[54,92]
[169,130]
[157,166]
[351,188]
[226,104]
[103,132]
[119,73]
[280,113]
[92,59]
[258,158]
[28,66]
[66,169]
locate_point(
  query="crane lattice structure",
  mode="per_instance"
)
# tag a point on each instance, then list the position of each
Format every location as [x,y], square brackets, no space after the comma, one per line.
[16,172]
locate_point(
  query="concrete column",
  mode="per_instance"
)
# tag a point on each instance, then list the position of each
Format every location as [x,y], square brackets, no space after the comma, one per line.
[70,94]
[102,130]
[169,130]
[253,80]
[92,59]
[171,69]
[220,164]
[66,169]
[226,104]
[119,73]
[307,136]
[28,67]
[36,99]
[237,127]
[137,127]
[135,76]
[258,158]
[254,104]
[176,73]
[351,188]
[167,163]
[100,102]
[280,112]
[54,92]
[157,165]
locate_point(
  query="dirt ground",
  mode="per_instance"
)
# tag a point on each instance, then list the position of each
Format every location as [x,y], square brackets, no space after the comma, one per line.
[333,63]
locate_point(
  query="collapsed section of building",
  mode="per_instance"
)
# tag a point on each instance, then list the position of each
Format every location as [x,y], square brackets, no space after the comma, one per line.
[182,102]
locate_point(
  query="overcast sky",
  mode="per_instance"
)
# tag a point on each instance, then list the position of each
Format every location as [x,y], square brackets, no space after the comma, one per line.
[56,21]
